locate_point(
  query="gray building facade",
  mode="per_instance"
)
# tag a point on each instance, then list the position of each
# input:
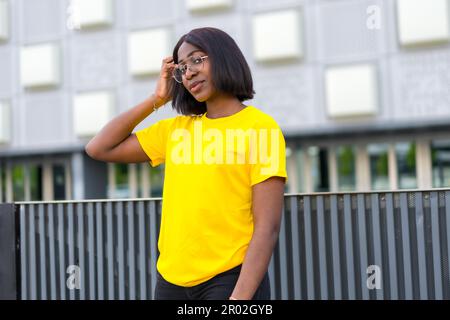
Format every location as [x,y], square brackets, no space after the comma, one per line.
[360,88]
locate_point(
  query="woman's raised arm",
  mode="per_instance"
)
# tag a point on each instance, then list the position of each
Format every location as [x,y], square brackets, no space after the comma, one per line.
[115,142]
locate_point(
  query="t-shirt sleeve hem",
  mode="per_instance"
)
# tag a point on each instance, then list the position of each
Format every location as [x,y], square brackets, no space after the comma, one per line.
[263,178]
[155,160]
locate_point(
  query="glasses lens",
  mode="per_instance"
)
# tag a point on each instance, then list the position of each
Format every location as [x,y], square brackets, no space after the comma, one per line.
[177,75]
[196,64]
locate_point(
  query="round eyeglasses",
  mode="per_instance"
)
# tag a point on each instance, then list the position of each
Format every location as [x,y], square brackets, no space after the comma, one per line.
[195,65]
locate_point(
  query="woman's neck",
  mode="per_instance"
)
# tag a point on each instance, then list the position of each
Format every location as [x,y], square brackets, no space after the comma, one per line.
[223,106]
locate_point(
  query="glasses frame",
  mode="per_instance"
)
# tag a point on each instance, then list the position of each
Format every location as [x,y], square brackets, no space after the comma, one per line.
[188,68]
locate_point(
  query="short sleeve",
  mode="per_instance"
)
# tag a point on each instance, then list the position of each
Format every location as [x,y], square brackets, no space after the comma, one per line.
[269,153]
[153,140]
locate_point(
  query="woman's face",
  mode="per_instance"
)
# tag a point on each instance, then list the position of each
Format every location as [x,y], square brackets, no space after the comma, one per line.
[197,79]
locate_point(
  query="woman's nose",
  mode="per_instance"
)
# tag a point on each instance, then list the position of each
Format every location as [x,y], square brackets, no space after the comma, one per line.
[189,73]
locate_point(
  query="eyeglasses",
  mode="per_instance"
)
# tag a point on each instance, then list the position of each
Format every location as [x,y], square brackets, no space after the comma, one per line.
[195,66]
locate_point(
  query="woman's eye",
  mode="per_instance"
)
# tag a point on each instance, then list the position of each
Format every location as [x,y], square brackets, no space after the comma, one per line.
[197,60]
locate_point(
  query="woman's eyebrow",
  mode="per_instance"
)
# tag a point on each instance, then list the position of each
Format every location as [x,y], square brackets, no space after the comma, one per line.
[190,54]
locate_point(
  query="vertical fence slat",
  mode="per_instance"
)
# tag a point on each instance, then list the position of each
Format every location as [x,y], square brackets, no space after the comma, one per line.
[32,240]
[110,248]
[447,222]
[120,254]
[308,246]
[295,248]
[71,243]
[391,246]
[377,247]
[24,252]
[152,228]
[62,251]
[142,253]
[100,271]
[407,267]
[42,253]
[81,251]
[131,264]
[434,201]
[91,251]
[322,248]
[271,272]
[420,226]
[282,250]
[349,247]
[51,235]
[363,262]
[335,243]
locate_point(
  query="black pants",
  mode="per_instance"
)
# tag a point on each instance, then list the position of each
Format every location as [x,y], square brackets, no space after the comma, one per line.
[218,288]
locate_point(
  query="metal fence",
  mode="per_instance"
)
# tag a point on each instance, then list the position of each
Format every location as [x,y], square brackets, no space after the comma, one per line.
[331,246]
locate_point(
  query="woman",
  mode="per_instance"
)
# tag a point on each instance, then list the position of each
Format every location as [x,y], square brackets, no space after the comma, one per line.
[225,171]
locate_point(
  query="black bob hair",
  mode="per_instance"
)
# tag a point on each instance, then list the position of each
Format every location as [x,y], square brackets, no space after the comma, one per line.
[230,71]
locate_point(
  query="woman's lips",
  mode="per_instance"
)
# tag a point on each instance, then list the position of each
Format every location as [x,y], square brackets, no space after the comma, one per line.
[197,86]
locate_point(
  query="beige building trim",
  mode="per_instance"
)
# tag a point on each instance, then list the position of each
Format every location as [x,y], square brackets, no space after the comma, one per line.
[111,180]
[132,180]
[47,180]
[292,172]
[307,171]
[145,180]
[392,167]
[423,164]
[332,169]
[362,168]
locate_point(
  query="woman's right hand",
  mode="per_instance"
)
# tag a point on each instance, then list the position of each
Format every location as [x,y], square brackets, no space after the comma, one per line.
[165,82]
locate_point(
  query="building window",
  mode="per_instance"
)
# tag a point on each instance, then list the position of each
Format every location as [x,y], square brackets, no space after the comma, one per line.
[378,159]
[2,182]
[92,13]
[18,178]
[422,21]
[4,20]
[406,165]
[145,49]
[122,188]
[440,157]
[208,5]
[100,103]
[351,90]
[46,73]
[268,45]
[59,182]
[319,168]
[5,122]
[36,192]
[346,168]
[156,180]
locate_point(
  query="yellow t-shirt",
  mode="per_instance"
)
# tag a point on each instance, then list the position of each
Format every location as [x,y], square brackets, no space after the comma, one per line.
[210,167]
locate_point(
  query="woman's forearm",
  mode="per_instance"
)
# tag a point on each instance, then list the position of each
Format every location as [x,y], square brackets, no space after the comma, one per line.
[255,264]
[120,127]
[267,204]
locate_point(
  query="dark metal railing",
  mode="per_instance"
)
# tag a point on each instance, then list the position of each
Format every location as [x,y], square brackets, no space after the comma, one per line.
[376,245]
